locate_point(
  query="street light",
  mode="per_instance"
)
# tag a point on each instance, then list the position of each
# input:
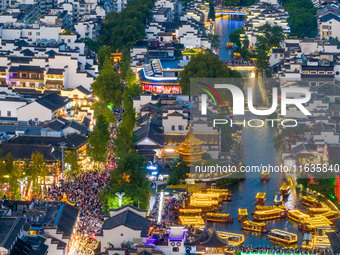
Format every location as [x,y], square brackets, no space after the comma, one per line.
[120,197]
[62,147]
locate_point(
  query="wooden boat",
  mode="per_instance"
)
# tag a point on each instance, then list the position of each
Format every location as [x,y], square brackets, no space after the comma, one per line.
[190,212]
[311,201]
[237,56]
[242,215]
[191,221]
[285,190]
[312,241]
[297,216]
[259,227]
[232,238]
[260,198]
[282,236]
[313,210]
[265,175]
[278,200]
[270,214]
[307,241]
[321,242]
[219,217]
[230,45]
[269,207]
[310,225]
[224,194]
[331,215]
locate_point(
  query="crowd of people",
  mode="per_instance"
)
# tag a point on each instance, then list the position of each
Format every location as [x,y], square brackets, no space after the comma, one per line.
[278,249]
[84,191]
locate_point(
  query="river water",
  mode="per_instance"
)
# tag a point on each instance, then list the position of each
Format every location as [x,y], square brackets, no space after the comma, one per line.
[259,149]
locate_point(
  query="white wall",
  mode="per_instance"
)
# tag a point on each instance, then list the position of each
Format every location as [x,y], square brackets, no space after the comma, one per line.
[175,121]
[117,236]
[11,106]
[34,111]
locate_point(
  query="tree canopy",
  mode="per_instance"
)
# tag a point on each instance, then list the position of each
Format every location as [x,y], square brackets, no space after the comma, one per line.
[108,86]
[302,20]
[178,173]
[129,177]
[204,65]
[98,140]
[128,26]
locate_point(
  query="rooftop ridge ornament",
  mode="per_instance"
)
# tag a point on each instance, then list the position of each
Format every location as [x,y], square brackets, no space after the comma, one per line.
[65,200]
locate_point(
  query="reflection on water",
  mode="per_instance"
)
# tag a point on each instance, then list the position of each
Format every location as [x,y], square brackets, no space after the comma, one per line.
[258,143]
[223,27]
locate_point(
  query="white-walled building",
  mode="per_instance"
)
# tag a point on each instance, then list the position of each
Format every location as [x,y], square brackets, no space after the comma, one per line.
[44,108]
[329,22]
[126,224]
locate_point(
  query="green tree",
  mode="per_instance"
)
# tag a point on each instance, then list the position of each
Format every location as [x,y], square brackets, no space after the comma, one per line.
[302,17]
[39,166]
[9,164]
[272,36]
[177,174]
[206,65]
[113,201]
[124,66]
[105,110]
[92,45]
[125,28]
[98,140]
[107,86]
[129,177]
[215,41]
[211,14]
[124,135]
[72,159]
[235,37]
[104,54]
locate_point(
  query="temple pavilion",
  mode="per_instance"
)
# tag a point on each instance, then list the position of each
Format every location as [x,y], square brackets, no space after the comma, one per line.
[209,242]
[190,150]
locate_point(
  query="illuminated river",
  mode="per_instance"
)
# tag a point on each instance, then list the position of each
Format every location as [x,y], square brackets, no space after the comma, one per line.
[259,147]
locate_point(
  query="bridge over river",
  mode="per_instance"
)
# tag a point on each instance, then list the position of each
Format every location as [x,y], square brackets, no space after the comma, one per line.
[240,65]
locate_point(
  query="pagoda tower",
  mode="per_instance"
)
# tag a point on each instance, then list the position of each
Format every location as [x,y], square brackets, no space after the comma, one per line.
[190,150]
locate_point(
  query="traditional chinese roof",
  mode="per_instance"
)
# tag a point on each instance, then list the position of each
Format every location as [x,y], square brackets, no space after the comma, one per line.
[214,240]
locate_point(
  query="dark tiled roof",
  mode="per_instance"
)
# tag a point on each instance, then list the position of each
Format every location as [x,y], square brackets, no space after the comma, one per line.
[321,126]
[10,229]
[278,50]
[73,141]
[21,248]
[68,219]
[330,16]
[23,60]
[151,131]
[27,52]
[329,89]
[334,238]
[20,68]
[23,151]
[83,90]
[319,68]
[52,101]
[214,240]
[60,124]
[333,154]
[301,147]
[55,71]
[129,219]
